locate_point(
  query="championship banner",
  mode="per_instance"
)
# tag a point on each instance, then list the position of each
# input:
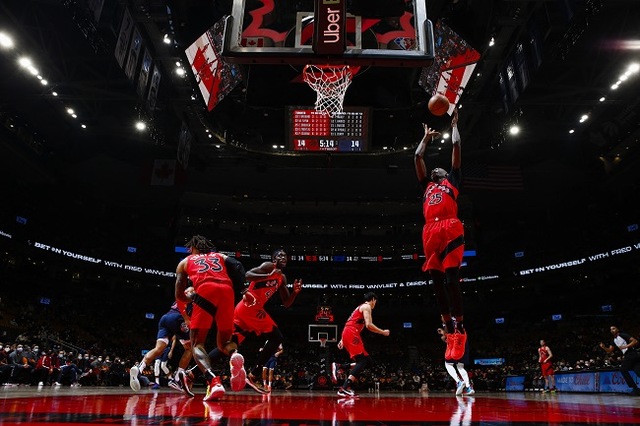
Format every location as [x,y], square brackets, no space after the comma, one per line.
[95,6]
[152,98]
[184,145]
[134,55]
[145,71]
[126,28]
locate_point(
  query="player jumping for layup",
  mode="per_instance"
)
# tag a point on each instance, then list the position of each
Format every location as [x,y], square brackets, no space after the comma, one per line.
[443,237]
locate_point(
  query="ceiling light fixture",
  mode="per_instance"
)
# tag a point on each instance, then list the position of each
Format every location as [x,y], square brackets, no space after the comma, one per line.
[5,41]
[25,62]
[140,125]
[514,130]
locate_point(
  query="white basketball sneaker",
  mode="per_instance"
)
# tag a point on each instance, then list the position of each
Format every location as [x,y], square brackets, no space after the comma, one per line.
[133,378]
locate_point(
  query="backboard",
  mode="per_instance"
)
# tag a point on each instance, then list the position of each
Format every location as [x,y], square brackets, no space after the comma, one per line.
[394,33]
[327,331]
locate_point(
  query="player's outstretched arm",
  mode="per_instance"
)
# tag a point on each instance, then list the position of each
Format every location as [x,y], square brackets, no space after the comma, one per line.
[456,153]
[418,158]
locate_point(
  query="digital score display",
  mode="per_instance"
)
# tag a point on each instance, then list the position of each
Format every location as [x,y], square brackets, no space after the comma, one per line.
[310,130]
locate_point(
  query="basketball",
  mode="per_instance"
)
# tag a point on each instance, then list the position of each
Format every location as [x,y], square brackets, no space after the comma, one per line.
[438,104]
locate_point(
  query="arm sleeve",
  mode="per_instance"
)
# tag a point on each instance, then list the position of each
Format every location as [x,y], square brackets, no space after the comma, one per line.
[455,135]
[236,271]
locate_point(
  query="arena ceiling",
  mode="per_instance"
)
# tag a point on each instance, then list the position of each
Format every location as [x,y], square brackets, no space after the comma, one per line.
[585,46]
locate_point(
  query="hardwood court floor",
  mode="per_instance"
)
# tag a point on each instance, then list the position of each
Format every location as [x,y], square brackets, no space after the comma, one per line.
[104,405]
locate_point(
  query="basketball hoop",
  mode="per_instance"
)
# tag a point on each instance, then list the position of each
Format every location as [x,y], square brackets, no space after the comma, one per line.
[330,83]
[323,342]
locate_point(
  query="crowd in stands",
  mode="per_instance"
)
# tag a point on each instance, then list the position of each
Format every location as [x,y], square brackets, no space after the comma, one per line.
[47,346]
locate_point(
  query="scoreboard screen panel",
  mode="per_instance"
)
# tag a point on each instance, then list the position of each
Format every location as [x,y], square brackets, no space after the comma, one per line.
[313,131]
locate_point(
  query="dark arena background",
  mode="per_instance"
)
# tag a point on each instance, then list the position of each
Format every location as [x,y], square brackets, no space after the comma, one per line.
[127,127]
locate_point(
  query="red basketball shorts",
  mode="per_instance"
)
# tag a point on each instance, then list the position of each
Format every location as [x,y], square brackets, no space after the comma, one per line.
[352,342]
[443,244]
[222,297]
[253,319]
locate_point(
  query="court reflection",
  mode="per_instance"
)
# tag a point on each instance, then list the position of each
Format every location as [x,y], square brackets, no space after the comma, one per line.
[462,414]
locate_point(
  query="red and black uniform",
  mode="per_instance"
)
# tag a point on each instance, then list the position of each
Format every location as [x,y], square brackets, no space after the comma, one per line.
[443,232]
[214,288]
[546,366]
[351,339]
[254,318]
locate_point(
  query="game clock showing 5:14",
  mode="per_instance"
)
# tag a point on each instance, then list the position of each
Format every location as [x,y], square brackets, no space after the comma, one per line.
[313,131]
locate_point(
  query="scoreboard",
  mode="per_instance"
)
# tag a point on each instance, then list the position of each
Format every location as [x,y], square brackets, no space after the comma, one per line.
[310,130]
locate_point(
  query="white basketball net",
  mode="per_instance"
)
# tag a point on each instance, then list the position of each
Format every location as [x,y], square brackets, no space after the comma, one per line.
[330,83]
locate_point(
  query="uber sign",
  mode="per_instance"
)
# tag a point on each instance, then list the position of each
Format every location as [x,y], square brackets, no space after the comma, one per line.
[330,20]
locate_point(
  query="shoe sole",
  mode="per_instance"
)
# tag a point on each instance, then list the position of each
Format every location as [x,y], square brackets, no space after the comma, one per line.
[236,361]
[133,379]
[175,386]
[238,378]
[185,385]
[239,381]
